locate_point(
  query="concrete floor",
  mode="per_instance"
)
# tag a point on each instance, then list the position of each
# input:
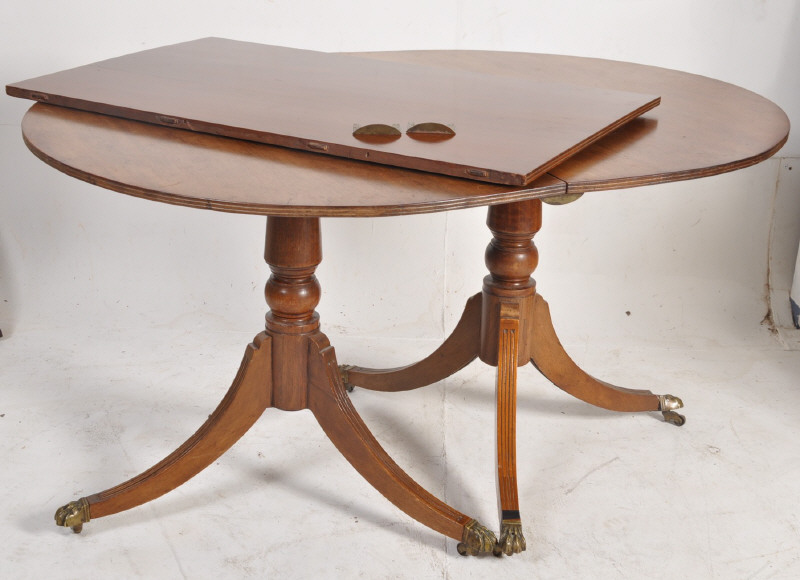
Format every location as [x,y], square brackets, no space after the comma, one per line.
[603,495]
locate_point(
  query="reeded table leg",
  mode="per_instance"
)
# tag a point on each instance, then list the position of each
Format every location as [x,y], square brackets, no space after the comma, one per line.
[291,366]
[508,325]
[306,375]
[510,250]
[511,539]
[553,362]
[246,400]
[508,293]
[331,406]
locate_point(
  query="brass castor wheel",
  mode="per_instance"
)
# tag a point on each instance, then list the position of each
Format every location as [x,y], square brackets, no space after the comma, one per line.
[674,418]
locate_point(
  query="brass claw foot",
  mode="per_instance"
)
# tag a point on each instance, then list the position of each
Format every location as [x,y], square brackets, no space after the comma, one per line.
[667,404]
[476,539]
[73,515]
[511,539]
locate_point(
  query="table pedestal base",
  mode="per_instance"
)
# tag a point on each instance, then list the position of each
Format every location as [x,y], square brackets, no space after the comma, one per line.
[292,366]
[508,325]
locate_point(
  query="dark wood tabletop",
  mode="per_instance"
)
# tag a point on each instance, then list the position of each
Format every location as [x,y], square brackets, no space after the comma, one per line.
[496,128]
[702,127]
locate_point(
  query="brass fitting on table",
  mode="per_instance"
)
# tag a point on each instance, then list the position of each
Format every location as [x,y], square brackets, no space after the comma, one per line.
[562,199]
[73,515]
[667,404]
[476,539]
[344,371]
[511,539]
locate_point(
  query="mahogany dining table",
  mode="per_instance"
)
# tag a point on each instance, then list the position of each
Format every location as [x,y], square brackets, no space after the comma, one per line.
[702,127]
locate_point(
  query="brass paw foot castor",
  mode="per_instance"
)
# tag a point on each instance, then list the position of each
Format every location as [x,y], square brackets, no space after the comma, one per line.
[73,515]
[477,539]
[511,539]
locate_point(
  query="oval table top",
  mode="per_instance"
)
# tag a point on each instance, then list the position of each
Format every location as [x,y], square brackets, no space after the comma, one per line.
[703,127]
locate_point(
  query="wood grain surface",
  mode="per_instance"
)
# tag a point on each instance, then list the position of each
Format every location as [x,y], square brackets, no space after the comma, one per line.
[703,127]
[508,129]
[198,170]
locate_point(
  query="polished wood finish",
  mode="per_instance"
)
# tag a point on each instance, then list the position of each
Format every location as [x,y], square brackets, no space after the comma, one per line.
[207,172]
[311,101]
[244,403]
[456,352]
[292,365]
[495,325]
[345,428]
[508,295]
[511,257]
[698,130]
[293,250]
[509,299]
[702,127]
[306,375]
[549,357]
[508,347]
[512,329]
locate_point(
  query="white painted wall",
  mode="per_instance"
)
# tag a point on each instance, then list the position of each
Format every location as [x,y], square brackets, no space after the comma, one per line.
[688,261]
